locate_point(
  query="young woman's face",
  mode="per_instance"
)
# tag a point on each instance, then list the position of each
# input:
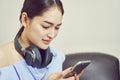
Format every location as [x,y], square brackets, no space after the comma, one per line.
[41,30]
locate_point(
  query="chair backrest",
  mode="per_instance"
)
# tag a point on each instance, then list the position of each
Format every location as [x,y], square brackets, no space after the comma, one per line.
[103,66]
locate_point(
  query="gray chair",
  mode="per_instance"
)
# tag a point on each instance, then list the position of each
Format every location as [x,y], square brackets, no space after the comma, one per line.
[103,66]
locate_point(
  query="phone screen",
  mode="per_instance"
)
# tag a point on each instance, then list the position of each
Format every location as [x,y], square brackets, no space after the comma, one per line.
[78,67]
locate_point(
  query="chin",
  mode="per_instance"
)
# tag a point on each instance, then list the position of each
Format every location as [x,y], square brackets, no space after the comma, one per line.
[44,47]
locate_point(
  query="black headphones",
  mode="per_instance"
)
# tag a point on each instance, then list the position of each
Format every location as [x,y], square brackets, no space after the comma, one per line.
[33,55]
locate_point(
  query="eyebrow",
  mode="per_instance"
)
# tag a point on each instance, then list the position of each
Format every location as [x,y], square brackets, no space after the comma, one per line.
[52,23]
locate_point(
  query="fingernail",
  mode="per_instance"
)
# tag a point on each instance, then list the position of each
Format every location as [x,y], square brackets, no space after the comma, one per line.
[71,68]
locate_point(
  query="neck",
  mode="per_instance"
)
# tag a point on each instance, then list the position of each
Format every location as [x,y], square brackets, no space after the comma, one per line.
[23,41]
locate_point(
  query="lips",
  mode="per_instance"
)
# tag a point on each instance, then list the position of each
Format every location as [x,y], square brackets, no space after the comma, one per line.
[47,42]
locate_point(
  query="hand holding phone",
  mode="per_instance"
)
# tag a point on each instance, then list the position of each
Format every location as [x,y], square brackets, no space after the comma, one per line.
[78,67]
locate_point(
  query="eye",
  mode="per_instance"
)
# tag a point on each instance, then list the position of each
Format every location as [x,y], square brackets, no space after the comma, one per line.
[45,27]
[57,28]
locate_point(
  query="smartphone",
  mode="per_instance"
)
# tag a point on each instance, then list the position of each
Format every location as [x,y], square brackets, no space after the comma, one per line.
[78,67]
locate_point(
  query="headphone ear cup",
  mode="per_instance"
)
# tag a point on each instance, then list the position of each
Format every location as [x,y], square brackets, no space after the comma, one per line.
[33,56]
[28,57]
[46,57]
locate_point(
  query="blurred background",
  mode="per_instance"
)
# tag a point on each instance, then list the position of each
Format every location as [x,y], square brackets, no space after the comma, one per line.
[88,25]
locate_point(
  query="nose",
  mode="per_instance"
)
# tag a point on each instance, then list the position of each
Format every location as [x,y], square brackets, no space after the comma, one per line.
[51,34]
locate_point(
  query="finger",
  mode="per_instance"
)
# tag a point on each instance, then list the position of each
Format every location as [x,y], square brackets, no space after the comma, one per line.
[66,71]
[80,74]
[76,77]
[58,75]
[70,78]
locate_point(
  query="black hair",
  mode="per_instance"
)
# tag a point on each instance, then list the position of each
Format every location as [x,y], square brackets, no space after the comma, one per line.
[37,7]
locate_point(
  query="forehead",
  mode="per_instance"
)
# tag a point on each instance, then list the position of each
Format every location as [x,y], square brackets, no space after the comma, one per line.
[52,14]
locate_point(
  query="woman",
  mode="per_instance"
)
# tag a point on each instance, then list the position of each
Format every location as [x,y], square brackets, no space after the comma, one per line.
[29,56]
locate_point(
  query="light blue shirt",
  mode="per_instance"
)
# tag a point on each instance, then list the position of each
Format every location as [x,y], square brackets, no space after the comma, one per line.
[22,71]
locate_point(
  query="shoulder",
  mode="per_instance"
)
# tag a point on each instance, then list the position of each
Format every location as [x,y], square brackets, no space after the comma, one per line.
[5,47]
[2,50]
[6,54]
[2,55]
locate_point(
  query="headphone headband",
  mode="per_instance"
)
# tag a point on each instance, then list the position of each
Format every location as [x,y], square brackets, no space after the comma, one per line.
[18,47]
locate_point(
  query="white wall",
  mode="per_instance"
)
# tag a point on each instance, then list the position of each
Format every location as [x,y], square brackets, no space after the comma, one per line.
[88,25]
[9,19]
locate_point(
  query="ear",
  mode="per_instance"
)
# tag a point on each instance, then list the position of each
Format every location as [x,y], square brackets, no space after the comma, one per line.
[25,19]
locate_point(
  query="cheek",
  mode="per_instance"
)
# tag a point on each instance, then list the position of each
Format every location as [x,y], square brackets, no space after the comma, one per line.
[36,31]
